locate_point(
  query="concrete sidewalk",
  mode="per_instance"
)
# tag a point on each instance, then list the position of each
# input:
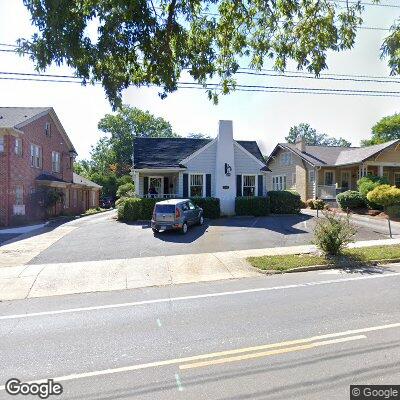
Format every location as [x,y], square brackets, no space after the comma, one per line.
[26,281]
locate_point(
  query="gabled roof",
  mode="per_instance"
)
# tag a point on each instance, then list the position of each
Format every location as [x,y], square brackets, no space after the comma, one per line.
[11,117]
[48,177]
[169,152]
[80,180]
[333,155]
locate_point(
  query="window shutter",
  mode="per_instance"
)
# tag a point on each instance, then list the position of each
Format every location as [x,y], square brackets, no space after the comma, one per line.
[238,185]
[185,185]
[208,185]
[166,185]
[145,185]
[260,185]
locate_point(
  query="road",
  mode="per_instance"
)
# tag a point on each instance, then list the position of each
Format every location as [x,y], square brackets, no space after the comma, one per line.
[103,238]
[299,336]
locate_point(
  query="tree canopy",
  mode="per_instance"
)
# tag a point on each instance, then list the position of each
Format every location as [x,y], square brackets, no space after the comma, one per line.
[123,42]
[313,138]
[386,129]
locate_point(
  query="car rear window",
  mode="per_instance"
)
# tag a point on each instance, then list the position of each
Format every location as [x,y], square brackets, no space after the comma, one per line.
[165,209]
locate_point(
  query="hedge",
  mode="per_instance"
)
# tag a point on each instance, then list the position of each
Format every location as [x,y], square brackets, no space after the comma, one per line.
[210,205]
[350,200]
[134,209]
[256,206]
[385,195]
[284,202]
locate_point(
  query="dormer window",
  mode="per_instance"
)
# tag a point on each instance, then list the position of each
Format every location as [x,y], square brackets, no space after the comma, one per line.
[47,129]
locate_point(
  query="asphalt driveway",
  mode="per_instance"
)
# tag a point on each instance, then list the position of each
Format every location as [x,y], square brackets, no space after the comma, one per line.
[105,238]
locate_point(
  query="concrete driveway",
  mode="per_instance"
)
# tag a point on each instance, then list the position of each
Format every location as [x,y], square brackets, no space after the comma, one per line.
[105,238]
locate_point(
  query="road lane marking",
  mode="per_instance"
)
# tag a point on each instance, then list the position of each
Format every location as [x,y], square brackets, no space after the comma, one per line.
[215,355]
[159,322]
[178,382]
[269,352]
[200,296]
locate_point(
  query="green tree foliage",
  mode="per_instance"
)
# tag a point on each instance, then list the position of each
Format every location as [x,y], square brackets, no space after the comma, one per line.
[313,138]
[385,195]
[151,43]
[126,190]
[386,129]
[198,136]
[370,182]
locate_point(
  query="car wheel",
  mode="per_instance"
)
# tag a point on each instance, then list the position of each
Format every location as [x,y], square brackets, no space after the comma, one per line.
[201,220]
[155,231]
[184,228]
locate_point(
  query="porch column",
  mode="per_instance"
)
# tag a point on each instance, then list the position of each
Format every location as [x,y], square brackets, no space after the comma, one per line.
[316,174]
[380,170]
[136,182]
[180,184]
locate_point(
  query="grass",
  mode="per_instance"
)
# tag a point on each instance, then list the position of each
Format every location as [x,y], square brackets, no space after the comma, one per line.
[92,211]
[350,256]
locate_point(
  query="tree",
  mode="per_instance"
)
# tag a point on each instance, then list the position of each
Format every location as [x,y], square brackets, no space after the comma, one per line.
[313,138]
[386,129]
[198,136]
[150,43]
[122,127]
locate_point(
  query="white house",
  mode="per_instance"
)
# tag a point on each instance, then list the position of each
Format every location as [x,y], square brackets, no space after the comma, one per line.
[180,167]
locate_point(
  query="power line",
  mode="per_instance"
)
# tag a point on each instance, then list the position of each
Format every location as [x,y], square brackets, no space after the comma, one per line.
[366,3]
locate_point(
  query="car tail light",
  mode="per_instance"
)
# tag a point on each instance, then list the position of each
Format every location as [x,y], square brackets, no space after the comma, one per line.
[177,213]
[154,214]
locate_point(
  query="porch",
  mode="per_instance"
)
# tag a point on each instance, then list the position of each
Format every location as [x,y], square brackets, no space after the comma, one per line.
[331,181]
[158,183]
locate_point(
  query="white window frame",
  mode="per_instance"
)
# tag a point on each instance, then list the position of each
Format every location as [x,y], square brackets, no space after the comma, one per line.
[36,156]
[333,177]
[311,176]
[161,192]
[286,158]
[203,190]
[345,171]
[47,129]
[255,184]
[279,182]
[18,147]
[2,144]
[56,161]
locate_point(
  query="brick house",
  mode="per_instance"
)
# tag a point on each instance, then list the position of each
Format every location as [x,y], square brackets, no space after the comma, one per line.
[36,154]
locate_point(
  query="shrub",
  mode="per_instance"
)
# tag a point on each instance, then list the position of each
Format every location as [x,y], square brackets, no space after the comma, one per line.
[284,202]
[393,211]
[385,195]
[256,206]
[370,182]
[310,204]
[332,233]
[303,204]
[210,206]
[350,200]
[126,190]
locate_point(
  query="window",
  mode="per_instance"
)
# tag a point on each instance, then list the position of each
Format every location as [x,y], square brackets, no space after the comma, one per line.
[36,156]
[386,175]
[55,161]
[191,205]
[328,178]
[1,144]
[47,129]
[311,176]
[18,147]
[279,182]
[66,198]
[249,185]
[196,185]
[75,198]
[345,181]
[19,195]
[286,158]
[397,179]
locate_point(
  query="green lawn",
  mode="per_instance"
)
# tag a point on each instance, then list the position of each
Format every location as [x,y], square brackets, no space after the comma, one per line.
[363,255]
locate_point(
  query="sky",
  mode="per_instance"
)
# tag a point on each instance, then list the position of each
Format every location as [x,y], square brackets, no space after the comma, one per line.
[265,117]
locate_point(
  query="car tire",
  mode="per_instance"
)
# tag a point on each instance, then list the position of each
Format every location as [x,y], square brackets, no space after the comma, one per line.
[201,220]
[184,228]
[155,231]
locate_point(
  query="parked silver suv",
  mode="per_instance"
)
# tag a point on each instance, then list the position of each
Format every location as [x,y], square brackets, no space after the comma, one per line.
[176,214]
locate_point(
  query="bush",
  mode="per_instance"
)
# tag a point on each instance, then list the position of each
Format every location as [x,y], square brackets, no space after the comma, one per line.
[316,204]
[393,211]
[210,206]
[255,206]
[126,190]
[332,233]
[350,200]
[369,183]
[310,204]
[134,209]
[284,202]
[303,204]
[385,195]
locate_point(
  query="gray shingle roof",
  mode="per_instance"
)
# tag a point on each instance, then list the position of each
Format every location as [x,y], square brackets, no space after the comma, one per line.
[169,152]
[11,117]
[334,155]
[80,180]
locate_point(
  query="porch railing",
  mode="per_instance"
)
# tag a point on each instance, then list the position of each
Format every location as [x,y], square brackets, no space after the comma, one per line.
[327,191]
[161,196]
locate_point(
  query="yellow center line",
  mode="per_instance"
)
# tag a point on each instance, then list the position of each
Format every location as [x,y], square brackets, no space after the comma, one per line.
[269,352]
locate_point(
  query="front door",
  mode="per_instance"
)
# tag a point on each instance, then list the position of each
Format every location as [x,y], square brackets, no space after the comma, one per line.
[345,180]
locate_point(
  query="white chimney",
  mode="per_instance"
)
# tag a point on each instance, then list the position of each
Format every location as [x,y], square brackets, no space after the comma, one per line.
[225,178]
[300,143]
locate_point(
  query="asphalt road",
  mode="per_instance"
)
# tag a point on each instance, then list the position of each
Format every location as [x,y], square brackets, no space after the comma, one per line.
[343,329]
[101,237]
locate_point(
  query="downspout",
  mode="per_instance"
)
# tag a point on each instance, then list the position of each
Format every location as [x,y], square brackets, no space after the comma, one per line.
[316,172]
